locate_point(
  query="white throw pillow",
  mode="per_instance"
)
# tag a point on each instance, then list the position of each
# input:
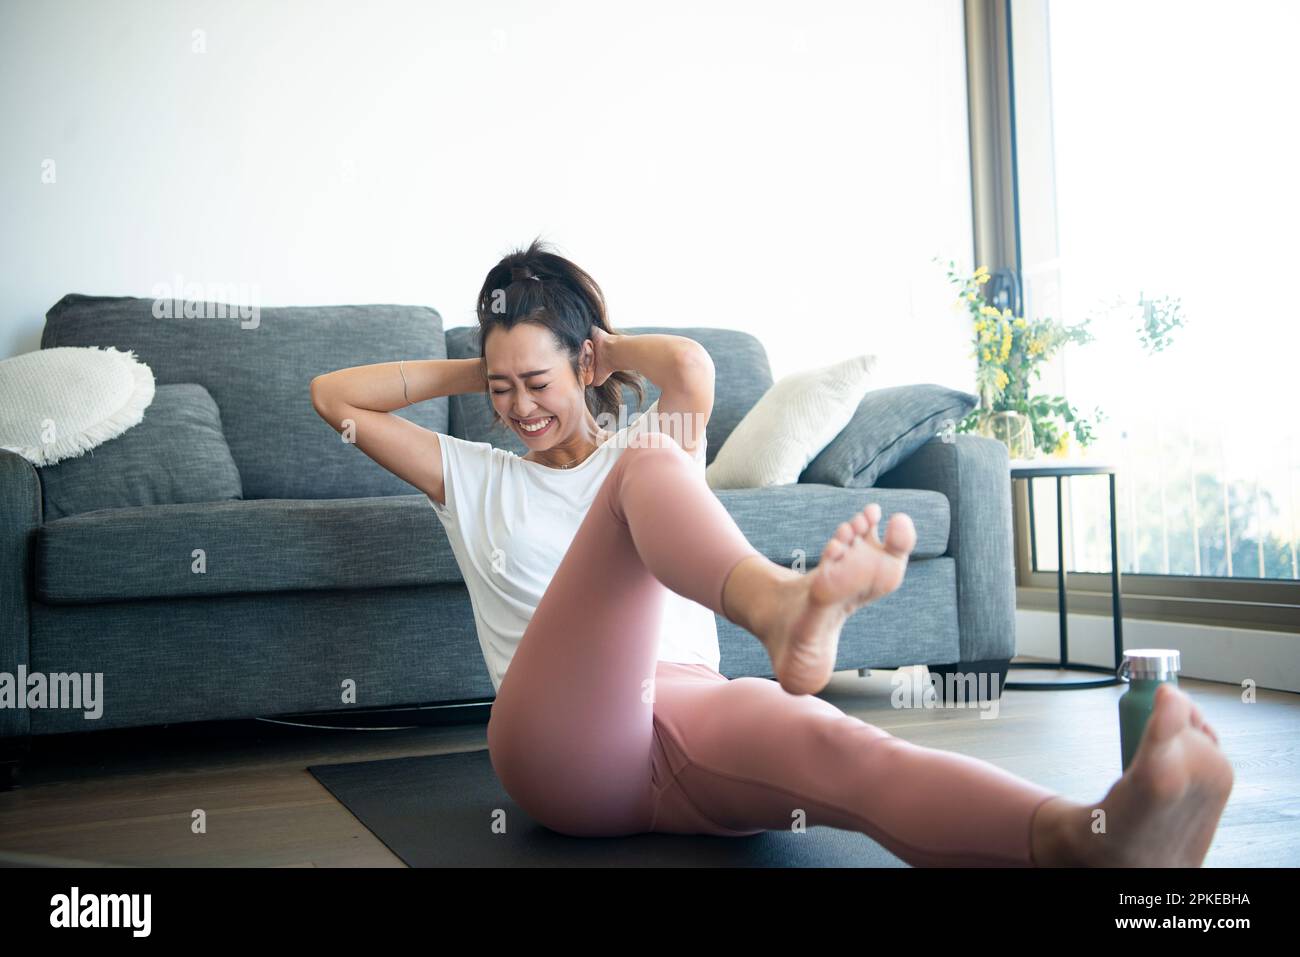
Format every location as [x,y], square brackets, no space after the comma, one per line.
[790,424]
[60,402]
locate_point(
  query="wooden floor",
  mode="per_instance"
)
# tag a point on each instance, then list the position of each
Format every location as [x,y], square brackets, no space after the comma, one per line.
[127,797]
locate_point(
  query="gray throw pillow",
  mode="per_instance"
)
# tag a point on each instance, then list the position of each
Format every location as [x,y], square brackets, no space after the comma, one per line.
[888,426]
[176,454]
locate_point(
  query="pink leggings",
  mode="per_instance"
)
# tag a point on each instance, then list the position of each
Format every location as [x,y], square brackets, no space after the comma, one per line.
[591,735]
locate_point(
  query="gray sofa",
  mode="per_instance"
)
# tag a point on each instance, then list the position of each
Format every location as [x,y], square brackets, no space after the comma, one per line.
[322,568]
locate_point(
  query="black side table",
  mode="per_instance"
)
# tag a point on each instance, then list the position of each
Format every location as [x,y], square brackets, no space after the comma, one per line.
[1030,469]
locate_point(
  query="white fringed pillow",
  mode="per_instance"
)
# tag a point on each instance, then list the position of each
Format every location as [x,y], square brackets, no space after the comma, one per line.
[790,424]
[61,402]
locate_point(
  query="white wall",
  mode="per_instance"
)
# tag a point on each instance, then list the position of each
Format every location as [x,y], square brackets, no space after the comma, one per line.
[785,168]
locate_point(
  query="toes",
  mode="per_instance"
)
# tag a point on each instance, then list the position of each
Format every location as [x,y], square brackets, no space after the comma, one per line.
[1199,721]
[1171,711]
[900,537]
[873,512]
[1160,725]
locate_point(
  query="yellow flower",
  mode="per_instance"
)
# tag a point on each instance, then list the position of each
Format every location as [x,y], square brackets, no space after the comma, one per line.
[970,296]
[982,279]
[1007,313]
[979,325]
[981,270]
[1019,323]
[1063,445]
[989,311]
[1003,379]
[987,355]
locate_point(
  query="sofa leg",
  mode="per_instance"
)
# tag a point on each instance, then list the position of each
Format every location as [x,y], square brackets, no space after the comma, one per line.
[963,680]
[13,751]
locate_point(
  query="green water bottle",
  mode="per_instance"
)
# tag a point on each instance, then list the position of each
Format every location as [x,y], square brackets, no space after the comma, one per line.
[1145,670]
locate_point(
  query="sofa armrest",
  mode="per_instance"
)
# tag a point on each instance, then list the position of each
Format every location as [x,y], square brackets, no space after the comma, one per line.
[20,517]
[973,471]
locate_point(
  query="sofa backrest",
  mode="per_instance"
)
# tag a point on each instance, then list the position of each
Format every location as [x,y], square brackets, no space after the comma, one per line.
[740,365]
[259,372]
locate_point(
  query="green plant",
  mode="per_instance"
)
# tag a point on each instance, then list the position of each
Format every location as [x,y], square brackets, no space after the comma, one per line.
[1155,318]
[1160,316]
[1010,352]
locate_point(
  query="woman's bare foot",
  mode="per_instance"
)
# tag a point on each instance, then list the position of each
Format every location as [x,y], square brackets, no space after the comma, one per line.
[1163,811]
[803,635]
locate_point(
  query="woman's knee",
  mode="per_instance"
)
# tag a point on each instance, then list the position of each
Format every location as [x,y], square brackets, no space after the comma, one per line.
[656,454]
[646,444]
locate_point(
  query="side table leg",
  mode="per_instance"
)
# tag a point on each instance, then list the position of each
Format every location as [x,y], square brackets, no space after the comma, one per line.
[1114,577]
[1060,572]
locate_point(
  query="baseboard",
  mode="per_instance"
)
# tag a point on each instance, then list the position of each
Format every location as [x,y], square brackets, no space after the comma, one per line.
[1271,659]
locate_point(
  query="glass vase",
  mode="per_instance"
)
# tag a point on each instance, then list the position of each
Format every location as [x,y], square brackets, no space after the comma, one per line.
[1012,429]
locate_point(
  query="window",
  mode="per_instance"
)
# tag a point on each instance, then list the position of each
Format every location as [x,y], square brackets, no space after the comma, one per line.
[1156,195]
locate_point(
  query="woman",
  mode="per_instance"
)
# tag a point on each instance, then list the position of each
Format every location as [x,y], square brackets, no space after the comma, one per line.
[596,563]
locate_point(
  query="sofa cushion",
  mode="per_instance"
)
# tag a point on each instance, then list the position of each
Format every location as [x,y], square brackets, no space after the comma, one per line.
[741,369]
[176,454]
[273,545]
[792,422]
[785,522]
[888,426]
[259,545]
[259,371]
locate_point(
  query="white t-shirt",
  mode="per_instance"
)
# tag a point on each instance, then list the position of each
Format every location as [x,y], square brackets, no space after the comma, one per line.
[510,521]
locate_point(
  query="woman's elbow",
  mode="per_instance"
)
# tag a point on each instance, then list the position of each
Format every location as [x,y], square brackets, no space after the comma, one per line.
[320,393]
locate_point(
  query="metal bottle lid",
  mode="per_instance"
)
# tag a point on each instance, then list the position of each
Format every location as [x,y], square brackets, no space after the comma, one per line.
[1150,664]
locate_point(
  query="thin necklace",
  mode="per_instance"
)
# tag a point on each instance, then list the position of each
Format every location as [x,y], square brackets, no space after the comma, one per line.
[569,466]
[579,461]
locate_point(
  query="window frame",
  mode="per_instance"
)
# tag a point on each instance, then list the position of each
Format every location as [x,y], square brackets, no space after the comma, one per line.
[1250,603]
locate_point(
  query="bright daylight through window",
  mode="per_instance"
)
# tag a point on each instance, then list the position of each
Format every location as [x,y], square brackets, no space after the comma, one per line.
[1157,159]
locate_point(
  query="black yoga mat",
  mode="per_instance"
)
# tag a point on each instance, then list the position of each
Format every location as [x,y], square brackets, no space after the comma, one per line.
[436,811]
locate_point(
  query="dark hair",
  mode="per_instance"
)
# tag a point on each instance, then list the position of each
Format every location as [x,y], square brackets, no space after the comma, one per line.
[534,284]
